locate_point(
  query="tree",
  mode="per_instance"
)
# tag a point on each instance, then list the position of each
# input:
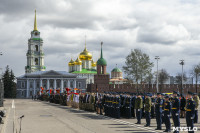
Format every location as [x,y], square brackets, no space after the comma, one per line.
[9,84]
[178,78]
[137,66]
[162,78]
[196,73]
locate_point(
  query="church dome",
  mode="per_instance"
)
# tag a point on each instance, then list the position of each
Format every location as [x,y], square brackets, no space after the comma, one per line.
[116,70]
[102,62]
[78,62]
[85,55]
[94,64]
[71,63]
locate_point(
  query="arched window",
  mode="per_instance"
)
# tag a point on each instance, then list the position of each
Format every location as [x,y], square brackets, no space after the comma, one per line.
[36,61]
[36,47]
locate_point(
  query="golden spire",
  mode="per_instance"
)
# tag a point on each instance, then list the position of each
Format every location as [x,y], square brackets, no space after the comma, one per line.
[35,23]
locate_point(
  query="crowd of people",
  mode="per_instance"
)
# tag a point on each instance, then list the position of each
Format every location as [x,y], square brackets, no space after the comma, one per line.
[163,107]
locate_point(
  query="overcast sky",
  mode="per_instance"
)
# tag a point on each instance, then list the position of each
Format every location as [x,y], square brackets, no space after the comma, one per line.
[168,28]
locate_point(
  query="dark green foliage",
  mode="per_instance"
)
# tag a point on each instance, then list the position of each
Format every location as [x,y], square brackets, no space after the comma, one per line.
[9,83]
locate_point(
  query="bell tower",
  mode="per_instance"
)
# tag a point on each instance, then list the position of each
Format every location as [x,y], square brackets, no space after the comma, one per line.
[35,54]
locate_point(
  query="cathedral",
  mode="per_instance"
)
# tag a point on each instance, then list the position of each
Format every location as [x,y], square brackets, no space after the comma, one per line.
[36,76]
[84,66]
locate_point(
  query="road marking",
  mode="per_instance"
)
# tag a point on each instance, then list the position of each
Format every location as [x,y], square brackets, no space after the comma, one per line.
[13,104]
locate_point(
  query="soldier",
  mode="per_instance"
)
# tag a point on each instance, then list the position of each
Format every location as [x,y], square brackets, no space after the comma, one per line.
[117,106]
[176,111]
[133,106]
[147,108]
[182,106]
[167,113]
[196,100]
[190,112]
[153,100]
[158,111]
[128,106]
[163,98]
[138,107]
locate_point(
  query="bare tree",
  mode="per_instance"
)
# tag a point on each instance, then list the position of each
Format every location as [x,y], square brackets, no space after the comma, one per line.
[196,73]
[178,78]
[162,78]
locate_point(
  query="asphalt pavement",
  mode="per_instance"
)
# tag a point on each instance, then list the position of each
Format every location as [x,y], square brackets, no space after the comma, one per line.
[45,117]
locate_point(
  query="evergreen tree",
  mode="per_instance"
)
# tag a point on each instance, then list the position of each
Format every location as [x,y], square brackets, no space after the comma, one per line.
[9,83]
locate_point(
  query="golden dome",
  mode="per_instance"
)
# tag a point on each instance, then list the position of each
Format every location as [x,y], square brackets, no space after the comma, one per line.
[78,62]
[85,55]
[71,63]
[94,64]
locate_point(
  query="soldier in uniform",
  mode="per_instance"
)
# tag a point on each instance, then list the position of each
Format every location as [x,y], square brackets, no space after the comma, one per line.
[190,112]
[138,107]
[167,113]
[117,106]
[176,110]
[153,100]
[147,108]
[163,98]
[196,100]
[128,106]
[158,111]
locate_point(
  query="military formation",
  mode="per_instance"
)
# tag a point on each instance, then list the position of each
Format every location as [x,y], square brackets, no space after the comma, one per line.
[162,107]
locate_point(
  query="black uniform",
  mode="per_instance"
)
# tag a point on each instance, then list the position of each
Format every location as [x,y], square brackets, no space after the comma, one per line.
[167,113]
[158,110]
[176,112]
[190,114]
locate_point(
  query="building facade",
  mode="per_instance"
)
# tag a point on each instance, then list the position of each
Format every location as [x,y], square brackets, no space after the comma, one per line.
[35,54]
[29,84]
[84,66]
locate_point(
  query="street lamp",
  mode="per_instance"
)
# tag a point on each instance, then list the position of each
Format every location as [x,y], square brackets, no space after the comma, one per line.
[182,63]
[157,58]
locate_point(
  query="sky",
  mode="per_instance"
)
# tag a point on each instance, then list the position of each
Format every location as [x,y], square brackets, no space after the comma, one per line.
[166,28]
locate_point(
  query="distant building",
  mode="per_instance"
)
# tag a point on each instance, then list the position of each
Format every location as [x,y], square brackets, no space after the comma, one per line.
[29,84]
[117,76]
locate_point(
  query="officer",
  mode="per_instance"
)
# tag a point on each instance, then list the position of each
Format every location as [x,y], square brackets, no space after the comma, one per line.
[176,110]
[133,105]
[138,107]
[196,100]
[190,112]
[128,106]
[147,109]
[158,111]
[163,98]
[167,113]
[117,106]
[153,100]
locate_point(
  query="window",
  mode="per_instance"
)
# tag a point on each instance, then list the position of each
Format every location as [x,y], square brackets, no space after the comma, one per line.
[22,93]
[37,84]
[22,84]
[79,85]
[36,48]
[36,61]
[31,85]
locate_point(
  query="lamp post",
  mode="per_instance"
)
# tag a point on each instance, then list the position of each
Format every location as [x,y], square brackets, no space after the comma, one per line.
[182,63]
[157,58]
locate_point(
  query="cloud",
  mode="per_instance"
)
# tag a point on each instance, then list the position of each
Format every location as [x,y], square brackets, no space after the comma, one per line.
[164,28]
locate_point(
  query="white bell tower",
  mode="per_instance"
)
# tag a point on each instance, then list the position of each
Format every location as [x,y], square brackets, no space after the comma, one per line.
[35,54]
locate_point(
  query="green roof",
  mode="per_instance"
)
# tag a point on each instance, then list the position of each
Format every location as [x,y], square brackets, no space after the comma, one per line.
[102,62]
[86,71]
[116,70]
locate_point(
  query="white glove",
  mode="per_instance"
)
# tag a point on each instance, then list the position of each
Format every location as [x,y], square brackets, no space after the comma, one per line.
[176,114]
[138,109]
[192,118]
